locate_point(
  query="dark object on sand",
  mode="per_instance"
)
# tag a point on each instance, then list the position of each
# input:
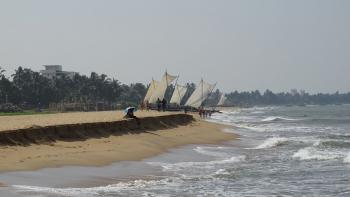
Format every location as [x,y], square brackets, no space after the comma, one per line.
[130,112]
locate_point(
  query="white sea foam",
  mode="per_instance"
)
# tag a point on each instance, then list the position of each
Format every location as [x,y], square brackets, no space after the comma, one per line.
[253,128]
[222,172]
[202,165]
[310,153]
[276,118]
[272,142]
[347,158]
[211,151]
[282,128]
[257,112]
[101,190]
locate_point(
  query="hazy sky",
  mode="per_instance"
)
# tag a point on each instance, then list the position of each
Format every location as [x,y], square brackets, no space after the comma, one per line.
[242,45]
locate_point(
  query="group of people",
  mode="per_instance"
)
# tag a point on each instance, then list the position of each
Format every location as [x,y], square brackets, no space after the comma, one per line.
[204,113]
[161,104]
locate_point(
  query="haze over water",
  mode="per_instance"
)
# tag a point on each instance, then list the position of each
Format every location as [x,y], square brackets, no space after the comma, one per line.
[290,151]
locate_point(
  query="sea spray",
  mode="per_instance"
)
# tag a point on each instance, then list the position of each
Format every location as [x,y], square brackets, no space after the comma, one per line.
[276,118]
[310,153]
[347,158]
[200,165]
[272,142]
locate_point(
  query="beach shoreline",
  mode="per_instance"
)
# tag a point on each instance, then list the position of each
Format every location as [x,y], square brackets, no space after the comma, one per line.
[106,150]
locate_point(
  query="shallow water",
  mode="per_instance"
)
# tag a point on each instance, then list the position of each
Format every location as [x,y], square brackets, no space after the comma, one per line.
[282,151]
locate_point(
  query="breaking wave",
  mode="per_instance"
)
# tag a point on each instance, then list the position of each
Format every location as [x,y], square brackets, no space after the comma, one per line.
[347,158]
[108,190]
[202,165]
[212,151]
[310,153]
[333,144]
[272,142]
[276,118]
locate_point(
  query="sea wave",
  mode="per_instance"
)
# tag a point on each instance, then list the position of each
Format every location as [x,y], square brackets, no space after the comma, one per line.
[333,144]
[108,190]
[257,112]
[310,153]
[280,127]
[347,158]
[272,142]
[222,172]
[212,151]
[277,118]
[202,165]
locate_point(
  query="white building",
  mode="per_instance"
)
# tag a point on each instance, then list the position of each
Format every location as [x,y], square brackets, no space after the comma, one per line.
[55,71]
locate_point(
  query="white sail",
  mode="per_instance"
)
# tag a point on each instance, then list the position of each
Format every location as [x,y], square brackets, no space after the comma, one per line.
[178,94]
[160,90]
[201,93]
[152,87]
[222,100]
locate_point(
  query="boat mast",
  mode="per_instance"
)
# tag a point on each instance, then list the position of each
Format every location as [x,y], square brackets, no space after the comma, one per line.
[202,91]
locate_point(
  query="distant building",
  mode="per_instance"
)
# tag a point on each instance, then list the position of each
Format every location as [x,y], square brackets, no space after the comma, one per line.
[55,71]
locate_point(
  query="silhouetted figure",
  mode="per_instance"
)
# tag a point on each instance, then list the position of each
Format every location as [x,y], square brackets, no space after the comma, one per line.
[164,102]
[159,104]
[147,105]
[201,112]
[185,110]
[130,114]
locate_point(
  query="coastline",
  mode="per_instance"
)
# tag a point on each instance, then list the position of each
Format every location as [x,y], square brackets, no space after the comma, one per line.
[106,150]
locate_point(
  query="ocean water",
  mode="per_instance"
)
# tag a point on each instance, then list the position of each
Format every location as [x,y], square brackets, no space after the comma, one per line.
[281,151]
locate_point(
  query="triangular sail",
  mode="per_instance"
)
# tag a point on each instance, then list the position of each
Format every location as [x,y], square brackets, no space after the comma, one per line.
[222,100]
[152,87]
[178,94]
[160,90]
[201,93]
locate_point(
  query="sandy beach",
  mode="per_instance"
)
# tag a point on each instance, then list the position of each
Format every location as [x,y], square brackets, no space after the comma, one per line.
[26,121]
[103,150]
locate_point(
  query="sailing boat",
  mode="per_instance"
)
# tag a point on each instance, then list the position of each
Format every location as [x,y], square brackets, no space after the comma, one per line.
[157,90]
[161,87]
[222,100]
[200,94]
[152,88]
[178,94]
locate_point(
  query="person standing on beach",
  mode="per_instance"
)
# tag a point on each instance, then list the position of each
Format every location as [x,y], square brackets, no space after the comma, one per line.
[164,102]
[158,104]
[200,111]
[147,105]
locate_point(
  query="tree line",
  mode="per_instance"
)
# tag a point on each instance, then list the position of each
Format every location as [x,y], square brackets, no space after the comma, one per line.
[30,88]
[293,97]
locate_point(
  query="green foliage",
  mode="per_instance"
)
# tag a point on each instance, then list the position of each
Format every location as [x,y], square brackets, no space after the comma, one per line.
[32,89]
